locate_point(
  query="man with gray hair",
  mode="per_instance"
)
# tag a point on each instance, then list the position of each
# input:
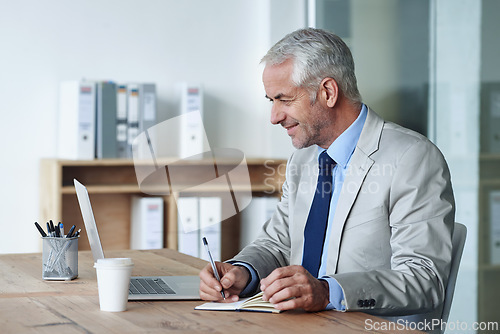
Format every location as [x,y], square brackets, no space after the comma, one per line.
[367,210]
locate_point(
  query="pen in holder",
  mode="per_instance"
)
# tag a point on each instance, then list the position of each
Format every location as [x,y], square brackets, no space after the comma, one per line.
[60,258]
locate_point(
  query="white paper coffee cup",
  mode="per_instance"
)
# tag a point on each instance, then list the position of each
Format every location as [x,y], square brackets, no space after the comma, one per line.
[113,280]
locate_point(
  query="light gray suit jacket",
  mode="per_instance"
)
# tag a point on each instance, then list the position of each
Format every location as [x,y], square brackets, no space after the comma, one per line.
[390,244]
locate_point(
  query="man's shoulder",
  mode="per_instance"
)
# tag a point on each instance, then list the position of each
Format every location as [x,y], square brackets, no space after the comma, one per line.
[393,140]
[391,131]
[404,136]
[398,141]
[397,132]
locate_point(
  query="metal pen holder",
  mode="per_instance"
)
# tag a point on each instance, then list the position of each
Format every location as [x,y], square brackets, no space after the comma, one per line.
[60,258]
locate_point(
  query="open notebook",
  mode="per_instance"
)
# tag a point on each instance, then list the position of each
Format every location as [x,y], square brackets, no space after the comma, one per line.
[253,304]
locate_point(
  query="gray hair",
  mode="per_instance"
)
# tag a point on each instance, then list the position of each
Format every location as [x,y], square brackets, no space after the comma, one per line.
[317,54]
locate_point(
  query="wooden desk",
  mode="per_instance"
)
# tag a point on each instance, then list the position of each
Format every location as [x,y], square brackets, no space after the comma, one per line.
[30,305]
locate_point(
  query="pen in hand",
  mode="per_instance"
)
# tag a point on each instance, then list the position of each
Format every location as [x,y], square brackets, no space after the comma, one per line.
[214,268]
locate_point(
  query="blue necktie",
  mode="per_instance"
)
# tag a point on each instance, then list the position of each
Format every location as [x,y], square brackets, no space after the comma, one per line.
[315,230]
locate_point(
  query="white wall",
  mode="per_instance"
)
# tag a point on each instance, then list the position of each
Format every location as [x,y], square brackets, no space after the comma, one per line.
[455,128]
[218,43]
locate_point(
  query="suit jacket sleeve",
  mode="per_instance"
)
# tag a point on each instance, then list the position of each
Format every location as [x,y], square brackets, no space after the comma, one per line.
[421,220]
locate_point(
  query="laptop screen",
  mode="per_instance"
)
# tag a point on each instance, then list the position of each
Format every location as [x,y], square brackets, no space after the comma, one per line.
[88,219]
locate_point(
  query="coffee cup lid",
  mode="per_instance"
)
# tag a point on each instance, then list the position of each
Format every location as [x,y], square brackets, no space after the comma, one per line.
[114,262]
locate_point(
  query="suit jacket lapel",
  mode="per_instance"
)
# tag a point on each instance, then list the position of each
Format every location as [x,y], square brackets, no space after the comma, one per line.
[358,167]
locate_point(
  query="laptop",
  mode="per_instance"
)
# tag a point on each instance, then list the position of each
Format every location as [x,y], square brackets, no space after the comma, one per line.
[144,287]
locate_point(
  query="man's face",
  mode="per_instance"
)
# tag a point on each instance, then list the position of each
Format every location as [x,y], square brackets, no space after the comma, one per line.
[292,106]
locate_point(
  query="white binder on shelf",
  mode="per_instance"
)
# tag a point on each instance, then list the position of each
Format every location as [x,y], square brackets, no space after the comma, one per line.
[192,137]
[146,223]
[490,117]
[147,106]
[210,226]
[253,217]
[188,227]
[106,120]
[495,227]
[121,121]
[132,116]
[494,103]
[77,117]
[146,118]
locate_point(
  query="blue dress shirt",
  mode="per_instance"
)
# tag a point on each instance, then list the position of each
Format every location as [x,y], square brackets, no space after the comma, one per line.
[341,151]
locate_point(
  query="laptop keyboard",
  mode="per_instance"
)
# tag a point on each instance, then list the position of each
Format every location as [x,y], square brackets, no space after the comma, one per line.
[149,286]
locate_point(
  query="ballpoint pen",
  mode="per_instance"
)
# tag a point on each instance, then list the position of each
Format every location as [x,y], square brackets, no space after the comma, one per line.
[214,268]
[42,232]
[70,231]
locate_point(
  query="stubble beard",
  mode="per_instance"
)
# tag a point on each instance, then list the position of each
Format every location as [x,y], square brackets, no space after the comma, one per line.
[311,133]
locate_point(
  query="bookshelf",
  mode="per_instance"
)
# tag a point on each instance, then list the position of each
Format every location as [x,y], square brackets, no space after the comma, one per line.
[488,272]
[112,183]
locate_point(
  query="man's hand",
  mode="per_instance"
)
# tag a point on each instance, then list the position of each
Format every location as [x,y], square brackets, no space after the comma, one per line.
[233,280]
[294,287]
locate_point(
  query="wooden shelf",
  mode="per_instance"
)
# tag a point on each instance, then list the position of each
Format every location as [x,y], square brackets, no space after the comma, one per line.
[134,189]
[104,189]
[489,156]
[112,183]
[489,267]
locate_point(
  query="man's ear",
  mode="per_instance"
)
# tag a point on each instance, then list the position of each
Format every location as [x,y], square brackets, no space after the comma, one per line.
[329,91]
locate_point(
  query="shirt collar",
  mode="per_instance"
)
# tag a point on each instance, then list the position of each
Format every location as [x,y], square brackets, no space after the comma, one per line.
[343,147]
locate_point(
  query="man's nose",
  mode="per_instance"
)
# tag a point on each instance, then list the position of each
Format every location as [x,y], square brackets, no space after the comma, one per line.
[277,115]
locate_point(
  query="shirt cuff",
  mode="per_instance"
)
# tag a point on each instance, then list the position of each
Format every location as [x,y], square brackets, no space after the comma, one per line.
[253,283]
[337,301]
